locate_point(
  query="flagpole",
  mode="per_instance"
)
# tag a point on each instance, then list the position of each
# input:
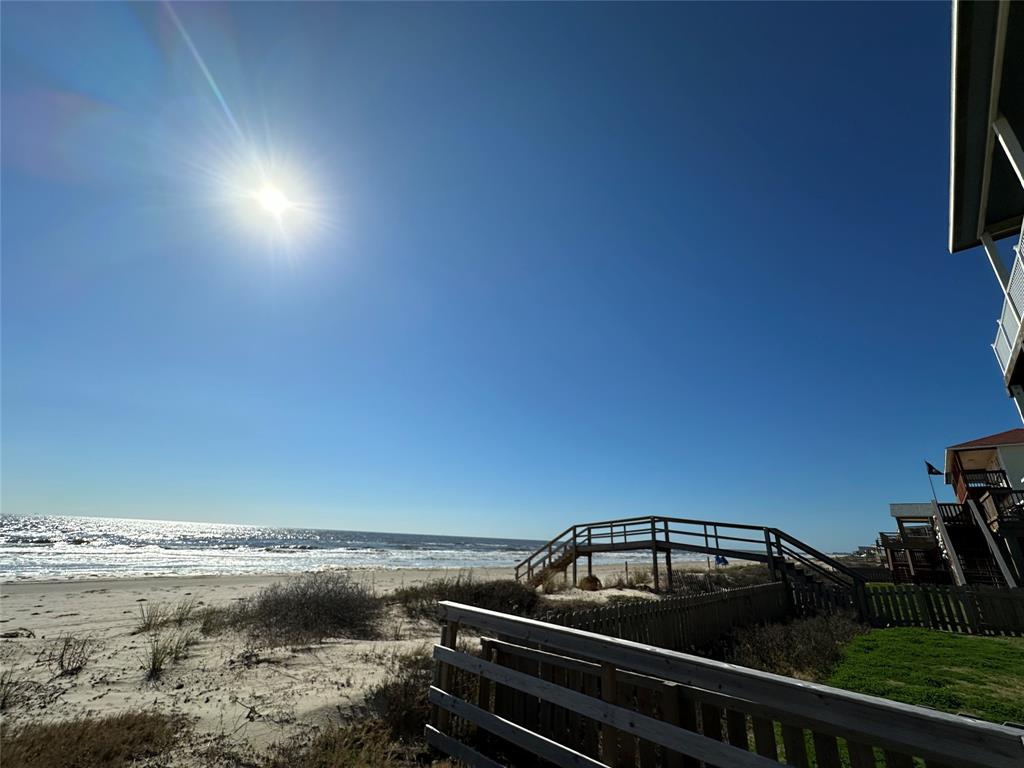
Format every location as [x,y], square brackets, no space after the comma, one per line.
[932,484]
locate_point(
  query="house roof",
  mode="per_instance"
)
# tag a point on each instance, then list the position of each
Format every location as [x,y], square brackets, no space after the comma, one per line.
[1009,437]
[984,193]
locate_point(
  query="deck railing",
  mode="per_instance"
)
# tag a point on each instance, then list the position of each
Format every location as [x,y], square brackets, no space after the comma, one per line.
[1008,324]
[522,689]
[738,541]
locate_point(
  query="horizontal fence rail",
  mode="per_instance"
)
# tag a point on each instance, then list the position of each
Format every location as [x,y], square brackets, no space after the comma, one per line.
[525,689]
[971,610]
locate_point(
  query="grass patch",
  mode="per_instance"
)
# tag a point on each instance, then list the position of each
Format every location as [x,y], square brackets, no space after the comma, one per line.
[978,676]
[108,742]
[307,609]
[505,595]
[67,655]
[366,744]
[809,649]
[400,701]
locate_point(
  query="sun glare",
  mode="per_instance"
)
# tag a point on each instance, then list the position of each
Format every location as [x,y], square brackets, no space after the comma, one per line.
[273,200]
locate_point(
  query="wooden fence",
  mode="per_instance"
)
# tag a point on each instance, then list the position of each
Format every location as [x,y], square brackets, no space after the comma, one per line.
[686,622]
[518,691]
[971,610]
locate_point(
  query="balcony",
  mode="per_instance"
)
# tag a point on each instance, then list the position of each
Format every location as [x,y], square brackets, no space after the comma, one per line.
[974,482]
[1008,324]
[1003,507]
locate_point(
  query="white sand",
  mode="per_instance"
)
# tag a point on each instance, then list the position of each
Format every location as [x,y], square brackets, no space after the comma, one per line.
[217,685]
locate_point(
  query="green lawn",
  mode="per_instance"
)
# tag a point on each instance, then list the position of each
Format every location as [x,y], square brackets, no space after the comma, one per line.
[978,676]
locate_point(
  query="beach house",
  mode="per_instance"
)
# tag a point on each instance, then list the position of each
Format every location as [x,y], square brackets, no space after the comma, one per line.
[987,161]
[979,539]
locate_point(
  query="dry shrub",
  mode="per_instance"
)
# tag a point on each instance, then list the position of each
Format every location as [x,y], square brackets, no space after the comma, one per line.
[590,584]
[67,655]
[635,579]
[809,649]
[504,595]
[13,689]
[554,584]
[311,608]
[400,701]
[108,742]
[366,744]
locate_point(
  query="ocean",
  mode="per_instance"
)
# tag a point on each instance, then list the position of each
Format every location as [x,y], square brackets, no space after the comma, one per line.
[78,547]
[89,547]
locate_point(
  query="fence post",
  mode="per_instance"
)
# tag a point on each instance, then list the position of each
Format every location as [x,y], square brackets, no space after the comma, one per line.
[574,555]
[668,556]
[609,736]
[443,673]
[654,555]
[771,557]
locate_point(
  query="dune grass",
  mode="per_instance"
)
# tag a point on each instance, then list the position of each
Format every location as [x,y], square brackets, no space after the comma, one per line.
[106,742]
[505,595]
[978,676]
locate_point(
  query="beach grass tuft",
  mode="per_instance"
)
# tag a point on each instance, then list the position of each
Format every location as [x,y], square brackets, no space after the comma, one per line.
[108,742]
[309,608]
[67,655]
[505,595]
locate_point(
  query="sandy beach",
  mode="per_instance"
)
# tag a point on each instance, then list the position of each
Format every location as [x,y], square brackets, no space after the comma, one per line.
[230,690]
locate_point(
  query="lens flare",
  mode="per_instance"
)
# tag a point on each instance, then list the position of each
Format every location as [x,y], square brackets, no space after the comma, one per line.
[273,200]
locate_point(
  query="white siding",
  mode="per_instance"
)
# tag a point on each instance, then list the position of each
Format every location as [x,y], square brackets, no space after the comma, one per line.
[1012,459]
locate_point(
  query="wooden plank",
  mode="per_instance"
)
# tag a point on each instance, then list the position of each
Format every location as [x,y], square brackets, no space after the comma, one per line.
[483,689]
[861,755]
[609,736]
[442,672]
[591,728]
[627,740]
[898,760]
[457,749]
[796,747]
[764,737]
[626,720]
[514,734]
[736,726]
[901,727]
[826,751]
[647,752]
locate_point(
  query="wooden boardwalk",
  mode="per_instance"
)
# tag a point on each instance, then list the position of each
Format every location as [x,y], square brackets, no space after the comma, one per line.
[522,691]
[662,536]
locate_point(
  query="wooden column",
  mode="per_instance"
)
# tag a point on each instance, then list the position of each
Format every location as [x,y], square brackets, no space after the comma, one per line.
[654,555]
[609,736]
[668,556]
[443,673]
[574,555]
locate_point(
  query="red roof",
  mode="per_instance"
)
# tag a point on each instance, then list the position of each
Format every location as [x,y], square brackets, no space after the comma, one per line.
[1009,437]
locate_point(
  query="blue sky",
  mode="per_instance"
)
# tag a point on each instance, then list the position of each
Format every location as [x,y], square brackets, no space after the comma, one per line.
[566,262]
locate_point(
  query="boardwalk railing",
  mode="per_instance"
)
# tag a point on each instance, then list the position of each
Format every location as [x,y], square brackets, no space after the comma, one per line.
[685,622]
[524,689]
[660,534]
[971,610]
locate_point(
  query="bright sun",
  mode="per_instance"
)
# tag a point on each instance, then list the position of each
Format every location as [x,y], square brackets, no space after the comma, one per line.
[273,200]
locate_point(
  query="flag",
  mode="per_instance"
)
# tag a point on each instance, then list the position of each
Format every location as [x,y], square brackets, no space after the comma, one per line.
[931,470]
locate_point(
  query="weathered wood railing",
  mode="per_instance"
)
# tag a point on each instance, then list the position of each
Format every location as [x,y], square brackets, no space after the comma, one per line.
[975,610]
[659,534]
[685,622]
[522,689]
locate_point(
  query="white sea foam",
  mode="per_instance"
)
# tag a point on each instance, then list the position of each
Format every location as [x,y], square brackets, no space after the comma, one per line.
[70,547]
